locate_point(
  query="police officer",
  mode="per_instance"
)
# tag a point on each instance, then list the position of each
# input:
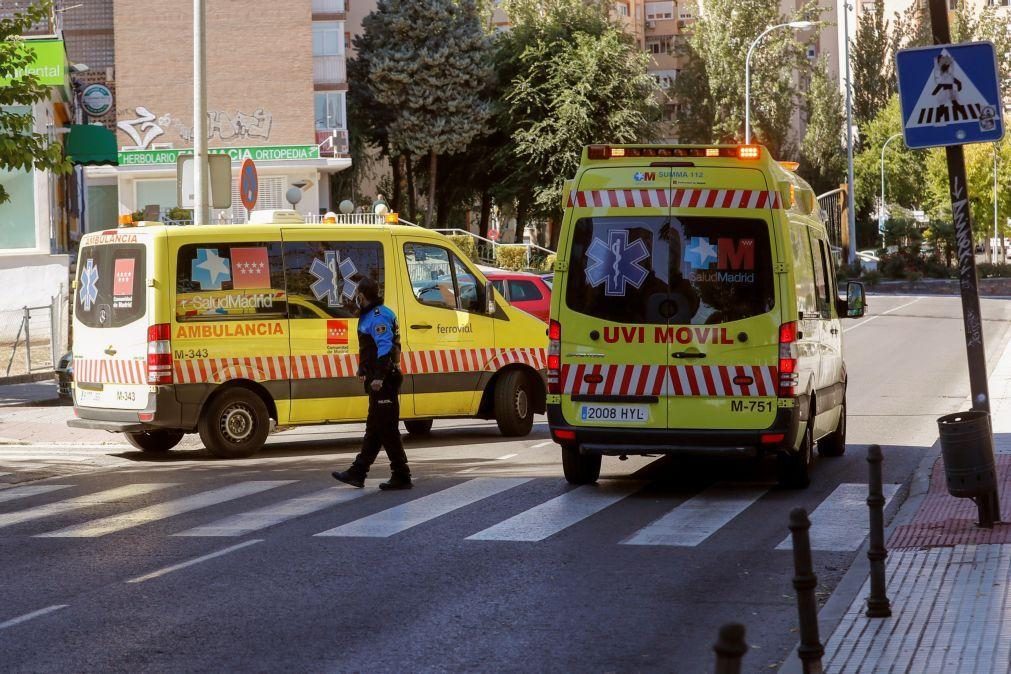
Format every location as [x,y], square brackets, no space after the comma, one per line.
[379,355]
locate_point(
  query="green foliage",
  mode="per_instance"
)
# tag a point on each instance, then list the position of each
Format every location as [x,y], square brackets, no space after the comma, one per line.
[905,169]
[716,55]
[872,66]
[20,147]
[513,258]
[823,162]
[871,278]
[990,270]
[548,264]
[570,78]
[466,245]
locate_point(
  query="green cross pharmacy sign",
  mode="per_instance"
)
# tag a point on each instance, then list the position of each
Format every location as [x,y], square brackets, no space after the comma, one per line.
[237,154]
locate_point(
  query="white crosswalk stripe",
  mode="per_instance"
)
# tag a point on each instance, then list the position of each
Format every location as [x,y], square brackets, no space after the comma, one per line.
[840,523]
[559,513]
[29,490]
[411,514]
[113,523]
[698,518]
[99,498]
[261,518]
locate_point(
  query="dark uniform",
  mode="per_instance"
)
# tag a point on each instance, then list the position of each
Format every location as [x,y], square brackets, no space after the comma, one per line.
[379,355]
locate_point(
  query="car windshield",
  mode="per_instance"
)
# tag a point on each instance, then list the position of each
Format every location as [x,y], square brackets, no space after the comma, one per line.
[678,270]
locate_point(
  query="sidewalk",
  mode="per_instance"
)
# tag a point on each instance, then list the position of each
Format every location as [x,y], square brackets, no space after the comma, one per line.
[37,393]
[949,581]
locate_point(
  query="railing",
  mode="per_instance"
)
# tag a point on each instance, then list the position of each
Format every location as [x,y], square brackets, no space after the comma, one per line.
[831,204]
[328,7]
[32,339]
[329,70]
[487,250]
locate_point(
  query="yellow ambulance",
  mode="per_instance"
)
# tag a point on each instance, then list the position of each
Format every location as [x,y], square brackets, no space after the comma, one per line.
[695,311]
[234,330]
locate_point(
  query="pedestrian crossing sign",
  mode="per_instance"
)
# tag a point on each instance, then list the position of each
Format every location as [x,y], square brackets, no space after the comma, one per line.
[950,95]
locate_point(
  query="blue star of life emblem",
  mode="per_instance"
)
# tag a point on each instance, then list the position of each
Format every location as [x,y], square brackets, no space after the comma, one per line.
[328,272]
[89,285]
[616,263]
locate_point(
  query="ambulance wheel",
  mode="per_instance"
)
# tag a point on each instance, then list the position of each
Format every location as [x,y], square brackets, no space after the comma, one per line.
[514,410]
[580,468]
[234,424]
[418,426]
[154,442]
[794,468]
[835,443]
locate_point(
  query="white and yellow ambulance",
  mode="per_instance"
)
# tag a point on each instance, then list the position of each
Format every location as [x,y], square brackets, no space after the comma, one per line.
[232,330]
[695,311]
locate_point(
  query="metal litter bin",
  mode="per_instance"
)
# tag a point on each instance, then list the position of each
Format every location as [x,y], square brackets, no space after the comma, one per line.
[967,448]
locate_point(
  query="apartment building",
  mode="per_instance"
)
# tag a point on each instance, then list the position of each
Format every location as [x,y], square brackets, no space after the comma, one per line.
[276,88]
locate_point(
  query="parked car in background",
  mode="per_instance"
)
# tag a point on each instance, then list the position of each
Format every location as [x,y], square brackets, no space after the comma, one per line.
[527,292]
[549,279]
[65,376]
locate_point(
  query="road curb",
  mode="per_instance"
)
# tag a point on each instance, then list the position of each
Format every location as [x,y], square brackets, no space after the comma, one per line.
[902,509]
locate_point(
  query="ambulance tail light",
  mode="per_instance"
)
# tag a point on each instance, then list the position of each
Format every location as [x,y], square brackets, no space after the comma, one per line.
[554,357]
[788,377]
[159,354]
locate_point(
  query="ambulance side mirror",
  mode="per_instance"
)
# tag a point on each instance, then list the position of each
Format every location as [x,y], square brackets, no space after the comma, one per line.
[856,299]
[490,307]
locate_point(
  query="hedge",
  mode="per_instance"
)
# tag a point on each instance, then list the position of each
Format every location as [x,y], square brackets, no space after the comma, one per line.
[466,244]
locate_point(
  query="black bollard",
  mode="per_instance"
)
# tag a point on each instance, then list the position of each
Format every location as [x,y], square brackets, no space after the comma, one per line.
[805,582]
[878,605]
[730,648]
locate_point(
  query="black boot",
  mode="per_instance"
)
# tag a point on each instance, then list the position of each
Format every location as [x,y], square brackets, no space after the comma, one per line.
[349,477]
[397,482]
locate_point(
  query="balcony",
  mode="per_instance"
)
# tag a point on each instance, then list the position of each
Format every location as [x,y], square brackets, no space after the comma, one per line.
[332,142]
[329,70]
[328,6]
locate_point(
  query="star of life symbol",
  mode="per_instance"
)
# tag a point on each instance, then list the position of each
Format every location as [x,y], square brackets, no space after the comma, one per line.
[616,263]
[89,285]
[328,272]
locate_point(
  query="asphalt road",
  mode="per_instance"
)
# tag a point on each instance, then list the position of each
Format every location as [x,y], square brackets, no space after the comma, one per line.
[491,563]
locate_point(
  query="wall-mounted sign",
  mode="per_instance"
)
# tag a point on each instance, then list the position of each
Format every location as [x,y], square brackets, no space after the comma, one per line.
[50,64]
[258,154]
[96,99]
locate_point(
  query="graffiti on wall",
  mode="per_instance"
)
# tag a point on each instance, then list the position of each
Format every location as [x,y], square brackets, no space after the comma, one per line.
[145,127]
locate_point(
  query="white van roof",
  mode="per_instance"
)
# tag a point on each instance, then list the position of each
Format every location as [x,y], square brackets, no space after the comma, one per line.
[284,216]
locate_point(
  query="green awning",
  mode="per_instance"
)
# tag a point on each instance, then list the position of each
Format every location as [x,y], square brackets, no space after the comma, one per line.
[91,145]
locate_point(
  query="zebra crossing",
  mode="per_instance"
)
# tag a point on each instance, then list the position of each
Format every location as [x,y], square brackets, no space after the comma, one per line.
[839,521]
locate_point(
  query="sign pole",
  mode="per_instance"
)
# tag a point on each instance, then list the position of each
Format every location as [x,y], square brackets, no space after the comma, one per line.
[200,172]
[989,504]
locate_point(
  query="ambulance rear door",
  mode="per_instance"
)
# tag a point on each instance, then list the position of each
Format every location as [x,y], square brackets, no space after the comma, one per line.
[613,371]
[112,309]
[322,270]
[724,321]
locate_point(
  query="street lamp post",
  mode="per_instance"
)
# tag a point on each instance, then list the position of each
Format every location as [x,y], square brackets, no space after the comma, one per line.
[881,212]
[996,238]
[796,25]
[201,192]
[851,218]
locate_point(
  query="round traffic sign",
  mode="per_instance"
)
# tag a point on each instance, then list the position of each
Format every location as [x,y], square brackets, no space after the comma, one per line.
[249,184]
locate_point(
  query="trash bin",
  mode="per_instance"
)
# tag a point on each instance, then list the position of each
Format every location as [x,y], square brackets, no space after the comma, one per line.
[967,449]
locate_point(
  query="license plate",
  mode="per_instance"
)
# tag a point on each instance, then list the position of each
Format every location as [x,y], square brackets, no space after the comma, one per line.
[615,414]
[86,396]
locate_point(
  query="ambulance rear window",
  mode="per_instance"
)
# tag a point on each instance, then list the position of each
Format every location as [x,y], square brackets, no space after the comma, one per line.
[111,284]
[659,270]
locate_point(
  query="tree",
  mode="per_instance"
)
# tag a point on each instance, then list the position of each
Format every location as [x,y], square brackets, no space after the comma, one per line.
[823,162]
[21,149]
[430,67]
[872,64]
[572,78]
[716,54]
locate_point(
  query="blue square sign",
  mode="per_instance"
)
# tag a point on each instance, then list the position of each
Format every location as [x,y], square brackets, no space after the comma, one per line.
[949,95]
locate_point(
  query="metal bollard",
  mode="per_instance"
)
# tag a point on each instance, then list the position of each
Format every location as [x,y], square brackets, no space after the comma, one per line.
[805,582]
[878,605]
[730,648]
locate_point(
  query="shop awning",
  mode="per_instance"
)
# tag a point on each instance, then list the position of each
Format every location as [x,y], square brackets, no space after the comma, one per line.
[91,145]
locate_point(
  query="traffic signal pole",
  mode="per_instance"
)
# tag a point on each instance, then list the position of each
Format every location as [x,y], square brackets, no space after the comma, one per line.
[989,505]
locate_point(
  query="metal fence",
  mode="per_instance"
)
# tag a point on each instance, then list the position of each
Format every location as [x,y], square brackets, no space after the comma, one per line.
[831,204]
[32,339]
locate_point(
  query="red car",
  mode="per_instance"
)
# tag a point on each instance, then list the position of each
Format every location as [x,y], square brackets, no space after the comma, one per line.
[524,291]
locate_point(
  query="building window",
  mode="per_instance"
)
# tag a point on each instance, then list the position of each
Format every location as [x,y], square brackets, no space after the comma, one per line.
[327,38]
[17,216]
[658,11]
[665,78]
[660,44]
[160,193]
[329,110]
[621,9]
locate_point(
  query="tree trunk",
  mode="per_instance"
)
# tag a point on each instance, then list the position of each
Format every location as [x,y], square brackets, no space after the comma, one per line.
[554,230]
[433,167]
[485,213]
[412,201]
[522,209]
[397,166]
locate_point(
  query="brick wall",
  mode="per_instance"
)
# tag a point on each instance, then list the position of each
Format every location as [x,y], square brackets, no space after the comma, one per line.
[259,63]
